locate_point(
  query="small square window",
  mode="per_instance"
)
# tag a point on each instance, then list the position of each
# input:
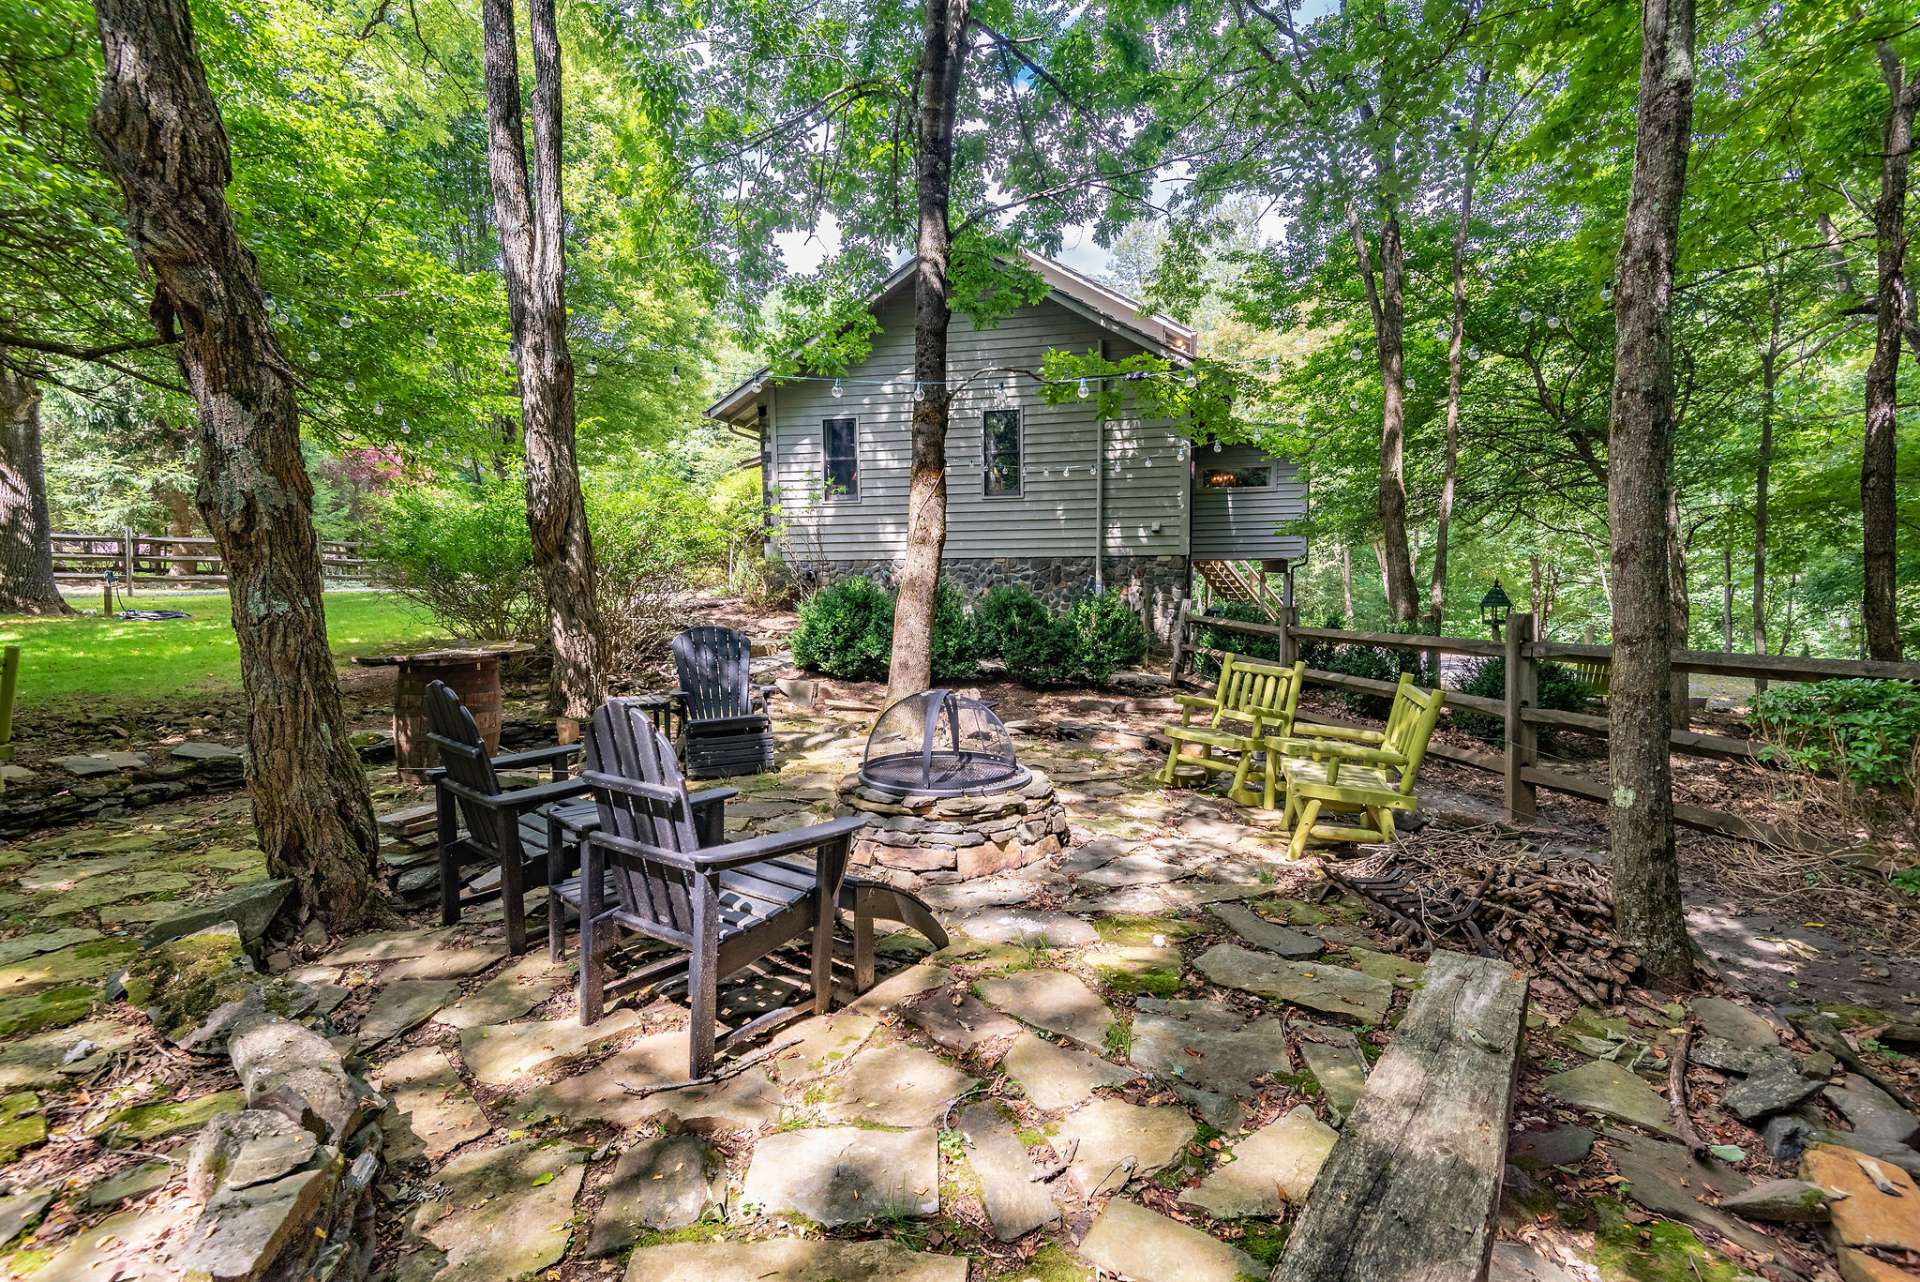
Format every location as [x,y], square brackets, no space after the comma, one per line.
[840,447]
[1252,476]
[1001,450]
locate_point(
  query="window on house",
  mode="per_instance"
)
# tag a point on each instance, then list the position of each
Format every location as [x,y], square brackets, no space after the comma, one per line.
[1002,452]
[1252,476]
[840,445]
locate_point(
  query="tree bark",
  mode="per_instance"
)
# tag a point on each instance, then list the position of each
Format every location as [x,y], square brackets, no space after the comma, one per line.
[1386,300]
[1456,339]
[1646,871]
[1680,604]
[1763,471]
[942,61]
[27,584]
[1879,513]
[1346,581]
[159,129]
[533,258]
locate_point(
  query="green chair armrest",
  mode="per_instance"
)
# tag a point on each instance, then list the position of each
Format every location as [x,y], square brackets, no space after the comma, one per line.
[1356,734]
[1197,700]
[1322,749]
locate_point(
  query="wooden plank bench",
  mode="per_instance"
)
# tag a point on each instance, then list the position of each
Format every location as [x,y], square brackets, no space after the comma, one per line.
[1410,1190]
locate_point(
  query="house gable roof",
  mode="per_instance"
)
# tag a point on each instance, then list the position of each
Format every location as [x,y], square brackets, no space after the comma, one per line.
[1108,308]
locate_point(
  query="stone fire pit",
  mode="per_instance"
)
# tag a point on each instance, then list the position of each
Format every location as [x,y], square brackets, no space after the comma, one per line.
[914,839]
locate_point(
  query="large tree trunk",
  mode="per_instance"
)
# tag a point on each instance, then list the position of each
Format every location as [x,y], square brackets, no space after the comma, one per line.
[1763,472]
[1386,300]
[1646,871]
[1456,339]
[1346,583]
[1680,608]
[159,129]
[26,534]
[942,60]
[1879,511]
[533,257]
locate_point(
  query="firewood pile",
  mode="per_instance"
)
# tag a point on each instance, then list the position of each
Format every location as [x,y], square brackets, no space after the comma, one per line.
[1553,917]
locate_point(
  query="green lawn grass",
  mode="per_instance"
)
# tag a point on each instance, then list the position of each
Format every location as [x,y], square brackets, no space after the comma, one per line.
[104,658]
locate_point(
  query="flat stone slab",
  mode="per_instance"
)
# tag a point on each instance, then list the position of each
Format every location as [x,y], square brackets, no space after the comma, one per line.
[48,1059]
[445,963]
[894,1086]
[957,1021]
[507,1210]
[1118,1141]
[1333,990]
[1141,868]
[792,1259]
[825,1043]
[1337,1064]
[136,1181]
[1667,1180]
[86,962]
[204,751]
[1733,1022]
[1396,970]
[388,945]
[626,1089]
[978,893]
[252,907]
[17,1210]
[102,891]
[1869,1215]
[1027,927]
[659,1184]
[1132,1242]
[432,1110]
[87,764]
[1059,1077]
[899,986]
[1207,1043]
[21,947]
[509,995]
[1555,1146]
[1604,1087]
[1052,1000]
[844,1174]
[402,1006]
[1876,1117]
[1016,1203]
[1270,1168]
[1271,936]
[1772,1090]
[503,1054]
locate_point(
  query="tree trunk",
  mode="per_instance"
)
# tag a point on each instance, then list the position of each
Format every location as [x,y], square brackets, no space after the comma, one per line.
[1646,871]
[533,259]
[1346,582]
[1680,604]
[1726,592]
[942,61]
[1763,472]
[180,525]
[26,532]
[1450,463]
[159,129]
[1386,298]
[1879,514]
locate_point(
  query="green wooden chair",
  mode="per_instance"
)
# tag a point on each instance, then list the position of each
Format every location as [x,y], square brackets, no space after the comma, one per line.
[1366,783]
[1252,703]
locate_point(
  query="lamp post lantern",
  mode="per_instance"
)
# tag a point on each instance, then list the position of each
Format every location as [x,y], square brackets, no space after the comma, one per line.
[1495,606]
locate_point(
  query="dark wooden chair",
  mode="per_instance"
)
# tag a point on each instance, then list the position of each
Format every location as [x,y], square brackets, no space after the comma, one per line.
[512,829]
[720,906]
[725,728]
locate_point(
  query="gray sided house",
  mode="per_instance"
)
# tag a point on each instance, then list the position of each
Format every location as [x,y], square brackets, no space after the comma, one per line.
[1053,496]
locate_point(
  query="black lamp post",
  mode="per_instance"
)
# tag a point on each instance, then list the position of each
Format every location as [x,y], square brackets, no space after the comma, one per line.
[1495,606]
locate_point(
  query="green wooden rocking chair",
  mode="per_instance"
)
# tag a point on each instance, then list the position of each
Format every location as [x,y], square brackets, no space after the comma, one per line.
[1370,781]
[1252,702]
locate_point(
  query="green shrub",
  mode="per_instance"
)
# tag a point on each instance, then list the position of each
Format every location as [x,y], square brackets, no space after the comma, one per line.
[1110,635]
[846,631]
[1044,652]
[956,652]
[466,556]
[1005,608]
[1253,645]
[1374,662]
[1863,731]
[1560,690]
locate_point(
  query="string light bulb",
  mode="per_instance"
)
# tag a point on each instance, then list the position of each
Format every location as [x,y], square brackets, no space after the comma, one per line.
[406,428]
[839,389]
[431,340]
[351,385]
[674,376]
[1553,322]
[346,321]
[759,386]
[1606,293]
[378,409]
[1526,316]
[1085,391]
[593,367]
[1216,446]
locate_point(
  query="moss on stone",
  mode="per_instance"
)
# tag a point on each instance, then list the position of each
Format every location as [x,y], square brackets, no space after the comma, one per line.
[1659,1251]
[169,1117]
[1138,930]
[1051,1263]
[1160,981]
[48,1008]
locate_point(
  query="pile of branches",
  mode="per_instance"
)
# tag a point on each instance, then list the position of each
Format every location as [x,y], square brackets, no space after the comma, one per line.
[1553,917]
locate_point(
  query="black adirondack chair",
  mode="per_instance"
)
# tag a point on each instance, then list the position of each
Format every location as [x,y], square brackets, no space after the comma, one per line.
[725,728]
[513,829]
[721,906]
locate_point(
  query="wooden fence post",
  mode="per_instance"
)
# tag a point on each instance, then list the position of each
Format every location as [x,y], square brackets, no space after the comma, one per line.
[1289,647]
[1179,641]
[1523,692]
[9,683]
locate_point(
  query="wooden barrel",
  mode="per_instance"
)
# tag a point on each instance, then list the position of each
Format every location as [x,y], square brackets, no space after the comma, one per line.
[475,678]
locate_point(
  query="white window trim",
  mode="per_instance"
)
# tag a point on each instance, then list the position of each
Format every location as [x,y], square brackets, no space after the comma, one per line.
[827,494]
[986,457]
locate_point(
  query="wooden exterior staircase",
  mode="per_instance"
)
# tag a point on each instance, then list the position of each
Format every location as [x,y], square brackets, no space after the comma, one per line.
[1238,581]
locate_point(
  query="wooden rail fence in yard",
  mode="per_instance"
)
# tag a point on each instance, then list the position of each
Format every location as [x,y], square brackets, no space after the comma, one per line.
[154,560]
[1519,762]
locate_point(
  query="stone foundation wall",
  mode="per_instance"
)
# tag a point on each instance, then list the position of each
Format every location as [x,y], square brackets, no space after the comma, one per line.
[1154,583]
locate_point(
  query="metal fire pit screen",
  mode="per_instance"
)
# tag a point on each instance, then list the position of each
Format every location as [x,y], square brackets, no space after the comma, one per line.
[943,744]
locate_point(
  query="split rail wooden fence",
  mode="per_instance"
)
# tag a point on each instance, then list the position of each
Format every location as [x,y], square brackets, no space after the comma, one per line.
[156,560]
[1519,762]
